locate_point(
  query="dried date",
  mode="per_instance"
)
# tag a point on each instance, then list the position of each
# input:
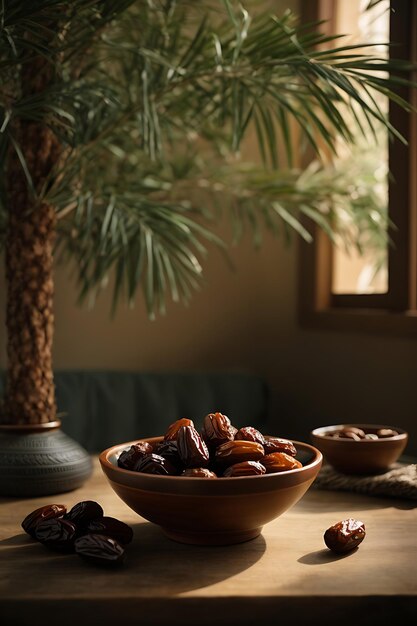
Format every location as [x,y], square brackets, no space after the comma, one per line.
[83,512]
[217,429]
[130,458]
[353,429]
[279,462]
[99,549]
[156,464]
[169,450]
[198,472]
[345,433]
[276,444]
[49,511]
[383,433]
[247,468]
[56,533]
[238,451]
[345,535]
[172,432]
[248,433]
[191,447]
[112,527]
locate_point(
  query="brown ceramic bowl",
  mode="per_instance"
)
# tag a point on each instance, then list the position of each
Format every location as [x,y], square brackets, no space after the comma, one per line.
[366,456]
[211,511]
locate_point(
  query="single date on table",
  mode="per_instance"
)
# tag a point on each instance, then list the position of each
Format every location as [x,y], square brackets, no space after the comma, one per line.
[345,535]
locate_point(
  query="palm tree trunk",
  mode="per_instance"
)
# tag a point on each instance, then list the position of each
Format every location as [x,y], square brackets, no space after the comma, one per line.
[30,393]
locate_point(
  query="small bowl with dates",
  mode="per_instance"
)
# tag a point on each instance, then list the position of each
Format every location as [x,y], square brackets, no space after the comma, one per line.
[365,449]
[218,486]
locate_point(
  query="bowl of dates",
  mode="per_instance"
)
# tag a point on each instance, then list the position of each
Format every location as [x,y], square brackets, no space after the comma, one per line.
[360,448]
[217,485]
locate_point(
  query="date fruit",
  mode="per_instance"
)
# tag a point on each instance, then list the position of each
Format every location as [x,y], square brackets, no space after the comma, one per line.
[112,527]
[156,464]
[247,468]
[248,433]
[349,434]
[49,511]
[279,462]
[275,444]
[169,450]
[238,451]
[383,433]
[354,430]
[56,533]
[198,472]
[99,549]
[172,432]
[83,512]
[217,429]
[130,458]
[191,448]
[345,535]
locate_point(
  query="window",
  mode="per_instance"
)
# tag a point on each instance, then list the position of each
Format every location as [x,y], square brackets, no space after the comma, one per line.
[355,273]
[390,305]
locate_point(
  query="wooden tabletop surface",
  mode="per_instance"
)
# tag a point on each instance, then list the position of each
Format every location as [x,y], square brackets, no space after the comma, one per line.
[284,576]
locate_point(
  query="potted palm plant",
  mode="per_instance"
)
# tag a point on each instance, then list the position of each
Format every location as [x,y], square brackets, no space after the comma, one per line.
[112,114]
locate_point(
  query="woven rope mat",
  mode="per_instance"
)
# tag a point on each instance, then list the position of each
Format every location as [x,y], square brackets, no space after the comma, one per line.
[399,482]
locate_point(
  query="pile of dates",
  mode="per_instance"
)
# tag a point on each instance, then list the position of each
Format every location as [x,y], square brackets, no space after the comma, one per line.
[84,529]
[357,434]
[220,450]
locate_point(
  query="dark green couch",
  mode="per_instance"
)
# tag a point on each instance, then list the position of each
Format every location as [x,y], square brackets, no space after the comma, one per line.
[101,408]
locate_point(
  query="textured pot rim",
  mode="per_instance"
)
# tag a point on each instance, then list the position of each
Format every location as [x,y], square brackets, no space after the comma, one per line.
[27,429]
[320,433]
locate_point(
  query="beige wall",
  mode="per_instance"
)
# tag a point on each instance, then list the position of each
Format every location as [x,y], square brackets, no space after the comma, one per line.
[246,321]
[227,325]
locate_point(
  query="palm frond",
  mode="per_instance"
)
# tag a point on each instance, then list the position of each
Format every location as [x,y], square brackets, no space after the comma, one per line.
[147,97]
[151,244]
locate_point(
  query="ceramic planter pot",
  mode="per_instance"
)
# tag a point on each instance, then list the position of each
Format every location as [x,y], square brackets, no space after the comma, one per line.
[39,460]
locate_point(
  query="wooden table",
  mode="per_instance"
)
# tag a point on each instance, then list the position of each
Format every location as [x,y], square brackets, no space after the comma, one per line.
[284,576]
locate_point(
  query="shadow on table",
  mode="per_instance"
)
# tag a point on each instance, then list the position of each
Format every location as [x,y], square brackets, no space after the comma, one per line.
[181,567]
[154,564]
[319,557]
[22,539]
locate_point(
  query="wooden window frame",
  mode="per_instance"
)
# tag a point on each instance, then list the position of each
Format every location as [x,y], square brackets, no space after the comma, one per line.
[396,311]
